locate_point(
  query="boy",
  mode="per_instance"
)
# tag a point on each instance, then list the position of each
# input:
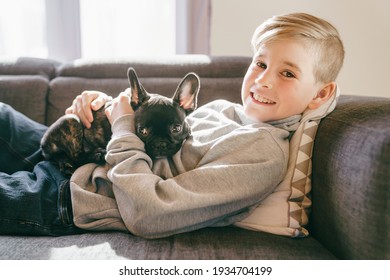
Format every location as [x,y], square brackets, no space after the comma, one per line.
[235,158]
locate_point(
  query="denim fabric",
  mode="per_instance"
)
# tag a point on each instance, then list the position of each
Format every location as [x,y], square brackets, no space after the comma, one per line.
[34,195]
[19,141]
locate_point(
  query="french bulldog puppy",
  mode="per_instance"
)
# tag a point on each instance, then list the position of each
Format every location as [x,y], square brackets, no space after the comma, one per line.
[160,122]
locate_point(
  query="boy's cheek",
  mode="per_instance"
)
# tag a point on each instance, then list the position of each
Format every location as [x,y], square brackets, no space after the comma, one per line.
[246,100]
[245,93]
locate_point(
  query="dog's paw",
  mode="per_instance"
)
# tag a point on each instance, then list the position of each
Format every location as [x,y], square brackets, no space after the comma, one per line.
[66,168]
[98,155]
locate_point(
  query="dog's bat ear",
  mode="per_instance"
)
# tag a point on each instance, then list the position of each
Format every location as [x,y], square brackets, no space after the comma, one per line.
[138,93]
[186,94]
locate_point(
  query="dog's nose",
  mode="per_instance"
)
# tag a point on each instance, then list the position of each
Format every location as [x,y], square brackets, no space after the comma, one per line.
[160,145]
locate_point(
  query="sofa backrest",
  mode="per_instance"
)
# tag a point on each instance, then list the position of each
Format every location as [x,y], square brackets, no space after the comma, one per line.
[42,89]
[220,77]
[24,84]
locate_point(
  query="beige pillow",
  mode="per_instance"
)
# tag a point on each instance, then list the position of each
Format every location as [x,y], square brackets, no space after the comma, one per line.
[286,210]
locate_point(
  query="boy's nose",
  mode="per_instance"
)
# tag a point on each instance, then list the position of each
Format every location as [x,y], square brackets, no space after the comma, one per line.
[264,81]
[266,85]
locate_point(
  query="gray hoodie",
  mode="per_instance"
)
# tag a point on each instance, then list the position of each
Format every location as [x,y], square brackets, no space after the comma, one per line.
[223,170]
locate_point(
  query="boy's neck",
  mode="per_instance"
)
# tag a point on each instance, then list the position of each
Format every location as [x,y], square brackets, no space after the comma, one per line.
[289,123]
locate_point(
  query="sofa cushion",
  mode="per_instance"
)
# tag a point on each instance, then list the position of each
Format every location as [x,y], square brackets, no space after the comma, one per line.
[351,175]
[205,244]
[157,67]
[28,66]
[25,93]
[24,84]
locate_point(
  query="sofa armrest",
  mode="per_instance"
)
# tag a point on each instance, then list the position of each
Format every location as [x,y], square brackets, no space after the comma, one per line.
[351,179]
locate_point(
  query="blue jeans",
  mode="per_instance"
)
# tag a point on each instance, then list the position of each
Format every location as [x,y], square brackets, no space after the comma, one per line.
[34,195]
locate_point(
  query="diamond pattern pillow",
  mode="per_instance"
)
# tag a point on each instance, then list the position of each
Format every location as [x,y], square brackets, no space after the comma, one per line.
[286,210]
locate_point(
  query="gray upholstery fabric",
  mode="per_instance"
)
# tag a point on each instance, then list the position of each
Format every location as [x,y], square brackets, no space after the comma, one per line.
[205,244]
[351,175]
[156,67]
[26,93]
[29,66]
[24,84]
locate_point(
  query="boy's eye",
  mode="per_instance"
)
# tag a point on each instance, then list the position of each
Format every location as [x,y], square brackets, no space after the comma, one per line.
[261,65]
[288,74]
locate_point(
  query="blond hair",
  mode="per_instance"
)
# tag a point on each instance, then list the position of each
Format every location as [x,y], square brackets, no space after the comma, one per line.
[321,37]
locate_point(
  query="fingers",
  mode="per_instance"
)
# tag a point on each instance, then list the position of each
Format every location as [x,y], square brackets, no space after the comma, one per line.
[82,108]
[84,103]
[120,106]
[100,100]
[89,101]
[69,110]
[127,92]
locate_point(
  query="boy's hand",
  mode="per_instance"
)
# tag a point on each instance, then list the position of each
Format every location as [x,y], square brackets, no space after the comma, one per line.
[84,103]
[120,106]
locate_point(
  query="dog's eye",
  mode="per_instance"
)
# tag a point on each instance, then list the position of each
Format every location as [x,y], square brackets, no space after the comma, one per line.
[143,131]
[176,128]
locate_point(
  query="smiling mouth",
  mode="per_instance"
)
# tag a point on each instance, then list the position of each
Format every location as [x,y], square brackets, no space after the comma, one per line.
[262,99]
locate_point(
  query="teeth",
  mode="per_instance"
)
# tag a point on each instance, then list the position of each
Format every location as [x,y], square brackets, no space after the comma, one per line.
[262,99]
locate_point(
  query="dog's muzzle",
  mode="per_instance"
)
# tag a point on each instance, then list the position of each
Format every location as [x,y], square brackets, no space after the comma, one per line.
[159,149]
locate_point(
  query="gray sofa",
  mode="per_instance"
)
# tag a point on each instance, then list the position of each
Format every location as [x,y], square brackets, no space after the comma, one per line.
[350,217]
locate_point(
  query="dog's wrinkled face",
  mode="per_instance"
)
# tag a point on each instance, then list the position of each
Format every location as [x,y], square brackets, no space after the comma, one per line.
[160,122]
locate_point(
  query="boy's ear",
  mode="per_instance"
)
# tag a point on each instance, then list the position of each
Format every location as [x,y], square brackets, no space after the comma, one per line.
[323,95]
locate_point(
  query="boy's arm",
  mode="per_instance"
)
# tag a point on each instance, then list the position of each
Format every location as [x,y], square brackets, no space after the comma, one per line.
[224,186]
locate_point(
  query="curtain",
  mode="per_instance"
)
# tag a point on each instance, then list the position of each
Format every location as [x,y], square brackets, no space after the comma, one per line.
[193,19]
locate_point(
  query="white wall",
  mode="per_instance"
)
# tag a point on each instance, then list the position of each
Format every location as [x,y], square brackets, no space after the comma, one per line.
[364,27]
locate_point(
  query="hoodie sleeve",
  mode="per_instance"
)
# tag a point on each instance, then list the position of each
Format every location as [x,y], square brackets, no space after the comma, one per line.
[231,177]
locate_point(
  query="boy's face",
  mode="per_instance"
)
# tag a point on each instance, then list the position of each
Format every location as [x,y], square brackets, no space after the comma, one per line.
[280,81]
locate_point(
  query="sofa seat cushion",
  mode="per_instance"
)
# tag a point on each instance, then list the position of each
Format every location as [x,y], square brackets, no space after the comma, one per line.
[208,243]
